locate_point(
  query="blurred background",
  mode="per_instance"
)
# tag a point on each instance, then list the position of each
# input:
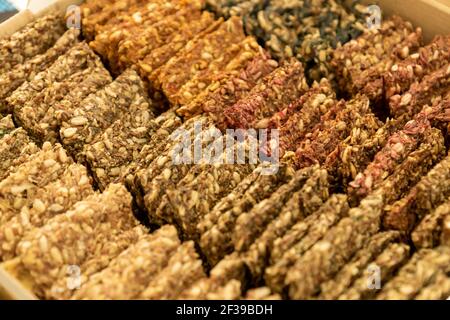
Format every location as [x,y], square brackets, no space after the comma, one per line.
[8,8]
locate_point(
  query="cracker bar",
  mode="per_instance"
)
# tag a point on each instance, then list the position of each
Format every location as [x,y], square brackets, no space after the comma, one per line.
[233,58]
[428,232]
[223,94]
[76,236]
[19,189]
[276,90]
[99,110]
[302,204]
[439,289]
[427,60]
[332,289]
[127,276]
[15,149]
[53,199]
[445,237]
[183,269]
[326,137]
[217,241]
[338,245]
[418,163]
[397,148]
[432,190]
[78,58]
[287,249]
[421,93]
[48,127]
[120,144]
[35,38]
[197,55]
[29,114]
[388,262]
[419,271]
[6,125]
[252,223]
[11,80]
[302,116]
[138,45]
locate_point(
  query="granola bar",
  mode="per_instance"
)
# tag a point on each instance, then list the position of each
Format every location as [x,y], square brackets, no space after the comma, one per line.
[197,55]
[355,158]
[109,36]
[428,232]
[445,237]
[360,64]
[427,60]
[155,155]
[19,189]
[218,240]
[6,125]
[338,245]
[11,80]
[55,198]
[261,293]
[306,29]
[337,161]
[74,237]
[223,94]
[439,289]
[127,276]
[173,50]
[317,95]
[275,91]
[47,129]
[159,56]
[419,271]
[138,45]
[15,149]
[388,262]
[96,263]
[327,135]
[409,172]
[207,289]
[98,111]
[252,223]
[232,7]
[35,38]
[302,204]
[29,114]
[234,58]
[332,289]
[183,269]
[144,13]
[103,12]
[166,123]
[227,203]
[224,281]
[397,148]
[78,58]
[302,116]
[120,144]
[287,249]
[432,190]
[421,93]
[193,198]
[168,169]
